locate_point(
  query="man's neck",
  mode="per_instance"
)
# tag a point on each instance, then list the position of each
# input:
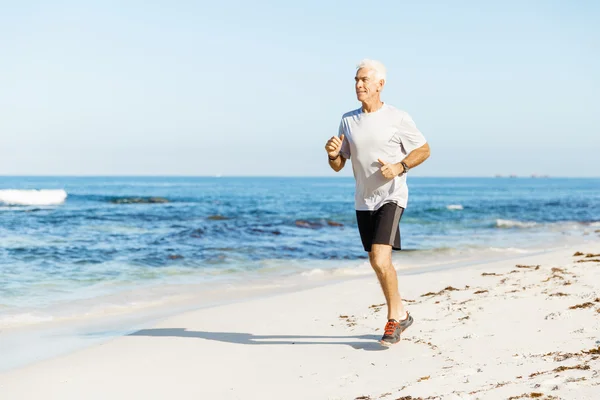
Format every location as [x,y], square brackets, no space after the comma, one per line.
[370,106]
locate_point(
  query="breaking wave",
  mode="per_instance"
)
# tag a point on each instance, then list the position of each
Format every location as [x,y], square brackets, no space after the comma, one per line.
[507,223]
[33,197]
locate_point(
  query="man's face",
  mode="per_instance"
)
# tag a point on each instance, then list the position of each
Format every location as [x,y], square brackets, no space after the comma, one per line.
[367,87]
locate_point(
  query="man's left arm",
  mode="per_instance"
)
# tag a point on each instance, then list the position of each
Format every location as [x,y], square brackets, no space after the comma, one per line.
[411,138]
[414,158]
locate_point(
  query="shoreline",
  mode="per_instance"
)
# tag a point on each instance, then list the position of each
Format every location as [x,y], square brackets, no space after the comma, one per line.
[321,342]
[26,344]
[147,295]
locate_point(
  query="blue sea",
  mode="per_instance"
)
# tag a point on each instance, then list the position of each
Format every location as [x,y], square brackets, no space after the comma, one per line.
[111,235]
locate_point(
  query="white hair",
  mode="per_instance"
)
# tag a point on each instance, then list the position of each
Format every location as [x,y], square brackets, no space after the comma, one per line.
[376,66]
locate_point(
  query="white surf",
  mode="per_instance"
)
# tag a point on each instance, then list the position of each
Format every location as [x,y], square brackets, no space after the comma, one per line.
[32,197]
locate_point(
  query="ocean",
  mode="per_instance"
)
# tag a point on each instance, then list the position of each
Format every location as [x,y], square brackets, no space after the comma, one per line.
[86,238]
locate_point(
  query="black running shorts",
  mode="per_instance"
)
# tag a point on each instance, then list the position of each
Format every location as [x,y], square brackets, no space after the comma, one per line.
[381,226]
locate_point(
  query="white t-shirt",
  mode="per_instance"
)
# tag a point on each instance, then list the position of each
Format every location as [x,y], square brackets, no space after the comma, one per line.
[389,134]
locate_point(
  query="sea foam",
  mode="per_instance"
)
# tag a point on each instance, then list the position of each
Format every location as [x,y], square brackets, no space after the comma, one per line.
[33,197]
[507,223]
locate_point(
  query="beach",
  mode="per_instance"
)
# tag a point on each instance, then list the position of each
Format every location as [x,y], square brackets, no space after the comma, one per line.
[526,327]
[208,201]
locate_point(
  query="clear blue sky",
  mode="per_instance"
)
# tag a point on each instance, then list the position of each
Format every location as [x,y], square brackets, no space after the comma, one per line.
[257,87]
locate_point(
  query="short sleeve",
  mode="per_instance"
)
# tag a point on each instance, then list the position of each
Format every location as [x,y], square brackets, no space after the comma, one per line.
[345,150]
[410,136]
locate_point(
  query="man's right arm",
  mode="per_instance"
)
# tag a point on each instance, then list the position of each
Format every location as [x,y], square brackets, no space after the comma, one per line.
[333,149]
[338,163]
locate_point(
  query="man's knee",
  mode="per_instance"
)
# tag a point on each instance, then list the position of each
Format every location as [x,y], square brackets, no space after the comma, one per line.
[380,258]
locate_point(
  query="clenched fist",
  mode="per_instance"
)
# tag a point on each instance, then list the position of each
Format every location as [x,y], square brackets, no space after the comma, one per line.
[388,170]
[334,145]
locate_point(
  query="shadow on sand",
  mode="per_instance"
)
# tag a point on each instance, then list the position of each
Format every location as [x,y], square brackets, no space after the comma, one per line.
[369,343]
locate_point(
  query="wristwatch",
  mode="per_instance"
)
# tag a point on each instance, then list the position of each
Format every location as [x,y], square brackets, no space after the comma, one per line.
[405,167]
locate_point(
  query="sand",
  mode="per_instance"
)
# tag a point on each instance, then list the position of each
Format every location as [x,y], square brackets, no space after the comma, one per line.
[523,328]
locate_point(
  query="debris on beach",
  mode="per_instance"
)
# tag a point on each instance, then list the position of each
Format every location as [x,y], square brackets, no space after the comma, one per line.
[431,345]
[564,368]
[350,320]
[584,305]
[377,307]
[534,267]
[446,289]
[556,274]
[592,351]
[531,395]
[559,356]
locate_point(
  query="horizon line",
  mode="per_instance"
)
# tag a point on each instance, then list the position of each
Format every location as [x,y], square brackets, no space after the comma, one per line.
[511,176]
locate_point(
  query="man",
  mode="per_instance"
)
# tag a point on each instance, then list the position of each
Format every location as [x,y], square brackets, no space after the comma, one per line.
[383,143]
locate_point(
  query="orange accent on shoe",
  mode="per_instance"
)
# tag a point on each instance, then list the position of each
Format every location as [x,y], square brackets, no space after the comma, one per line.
[390,327]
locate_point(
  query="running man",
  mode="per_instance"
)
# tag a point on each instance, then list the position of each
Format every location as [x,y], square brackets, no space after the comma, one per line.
[384,144]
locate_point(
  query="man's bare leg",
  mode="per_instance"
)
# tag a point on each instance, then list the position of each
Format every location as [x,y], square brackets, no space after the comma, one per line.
[380,257]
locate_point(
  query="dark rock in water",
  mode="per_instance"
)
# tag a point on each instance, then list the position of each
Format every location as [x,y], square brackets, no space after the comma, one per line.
[315,225]
[197,233]
[300,223]
[175,256]
[217,218]
[139,200]
[157,200]
[257,230]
